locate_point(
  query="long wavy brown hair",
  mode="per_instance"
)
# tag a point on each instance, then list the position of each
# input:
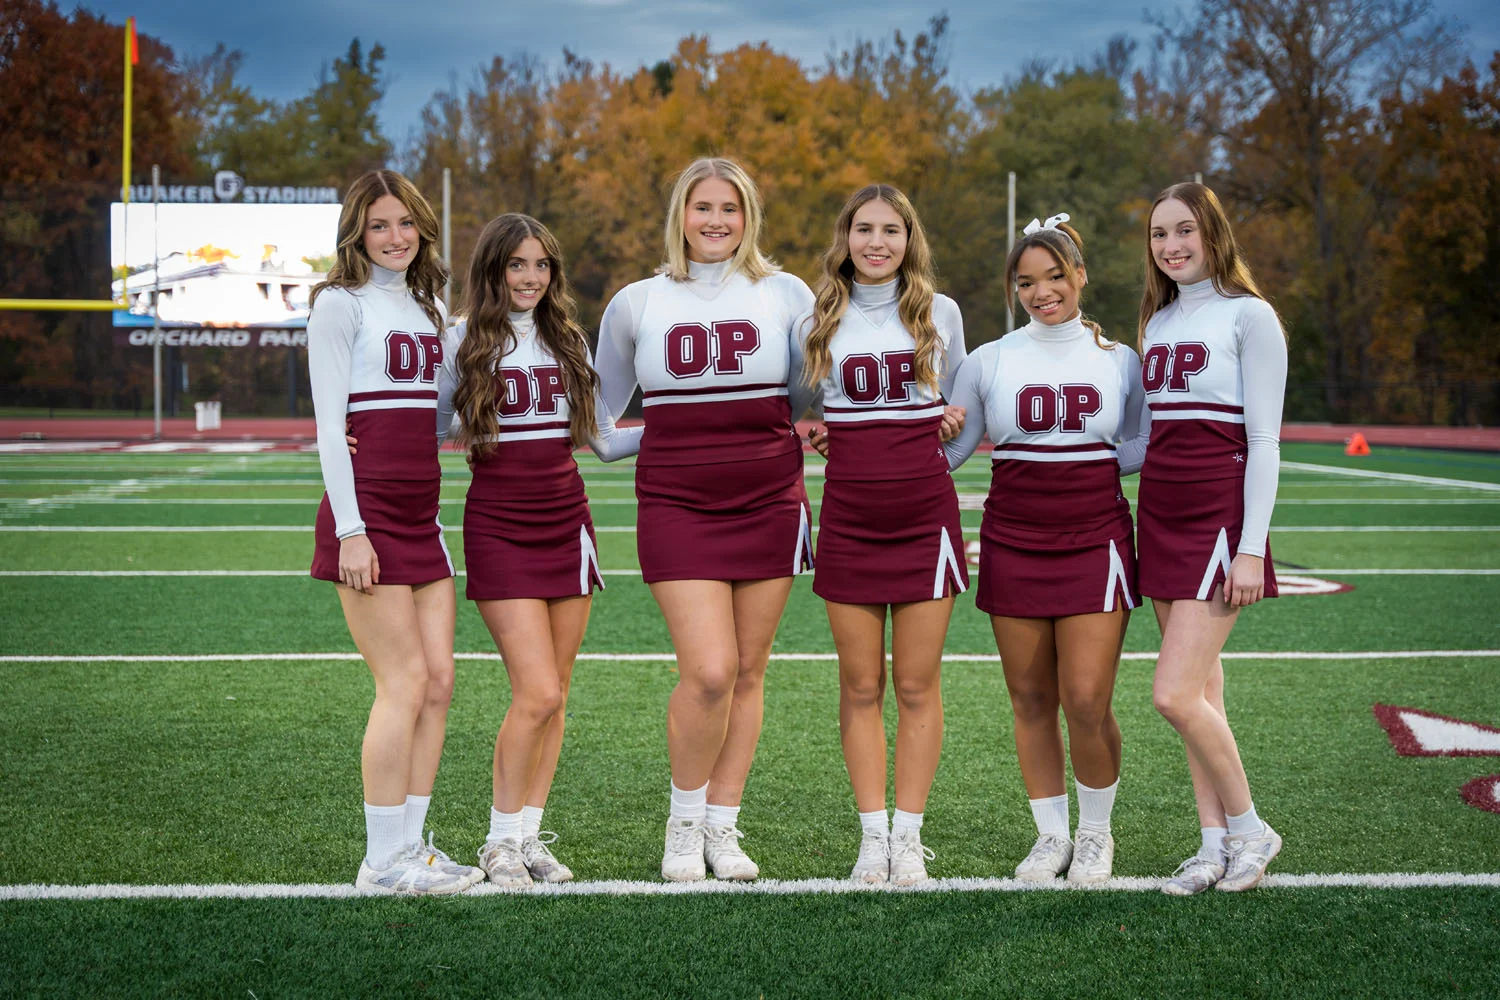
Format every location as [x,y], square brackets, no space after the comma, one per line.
[427,273]
[836,279]
[1066,247]
[486,308]
[1226,261]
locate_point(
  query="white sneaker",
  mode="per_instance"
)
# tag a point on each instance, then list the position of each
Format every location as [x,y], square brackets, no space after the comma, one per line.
[909,858]
[1093,858]
[874,864]
[1245,859]
[441,860]
[682,860]
[724,856]
[409,874]
[1193,876]
[504,863]
[1049,858]
[539,860]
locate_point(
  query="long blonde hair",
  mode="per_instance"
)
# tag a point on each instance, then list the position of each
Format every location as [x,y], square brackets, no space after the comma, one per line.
[427,273]
[1066,247]
[836,279]
[1226,261]
[489,336]
[748,259]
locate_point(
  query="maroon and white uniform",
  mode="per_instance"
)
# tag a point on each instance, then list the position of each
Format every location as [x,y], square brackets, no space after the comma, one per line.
[373,359]
[719,476]
[1214,372]
[1056,535]
[888,529]
[527,528]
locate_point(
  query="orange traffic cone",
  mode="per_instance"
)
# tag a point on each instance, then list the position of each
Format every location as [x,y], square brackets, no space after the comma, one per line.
[1357,445]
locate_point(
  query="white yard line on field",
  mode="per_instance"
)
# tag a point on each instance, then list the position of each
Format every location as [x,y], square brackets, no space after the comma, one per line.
[1395,477]
[1372,654]
[762,887]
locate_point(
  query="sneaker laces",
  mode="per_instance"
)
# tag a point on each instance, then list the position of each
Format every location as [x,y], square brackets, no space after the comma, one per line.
[725,838]
[1046,845]
[681,836]
[902,847]
[1088,850]
[433,850]
[534,847]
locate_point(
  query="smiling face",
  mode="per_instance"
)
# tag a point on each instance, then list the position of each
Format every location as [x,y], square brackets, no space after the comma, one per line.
[877,242]
[527,274]
[391,238]
[1177,242]
[1044,289]
[714,223]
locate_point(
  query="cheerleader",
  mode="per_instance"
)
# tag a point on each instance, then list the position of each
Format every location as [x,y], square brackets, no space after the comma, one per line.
[723,519]
[1056,562]
[882,349]
[518,372]
[374,347]
[1214,370]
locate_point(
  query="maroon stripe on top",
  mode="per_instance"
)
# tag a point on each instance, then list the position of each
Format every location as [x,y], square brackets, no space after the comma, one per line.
[1056,449]
[365,397]
[751,387]
[881,409]
[1218,407]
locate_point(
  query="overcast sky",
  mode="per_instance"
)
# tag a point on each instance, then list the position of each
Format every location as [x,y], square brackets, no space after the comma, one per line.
[285,44]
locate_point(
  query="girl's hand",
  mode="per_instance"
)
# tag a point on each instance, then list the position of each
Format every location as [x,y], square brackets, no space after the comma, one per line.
[359,568]
[1246,582]
[818,438]
[953,422]
[350,439]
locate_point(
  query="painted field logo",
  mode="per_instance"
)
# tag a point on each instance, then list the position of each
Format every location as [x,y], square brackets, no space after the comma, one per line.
[1297,585]
[1415,733]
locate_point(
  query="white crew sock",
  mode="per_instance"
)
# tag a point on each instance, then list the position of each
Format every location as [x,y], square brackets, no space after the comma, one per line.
[1095,805]
[905,822]
[531,821]
[689,804]
[875,822]
[416,816]
[504,826]
[1246,824]
[1213,843]
[723,817]
[1051,815]
[385,833]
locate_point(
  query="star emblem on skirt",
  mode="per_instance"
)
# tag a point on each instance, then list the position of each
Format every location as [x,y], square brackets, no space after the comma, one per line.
[1239,458]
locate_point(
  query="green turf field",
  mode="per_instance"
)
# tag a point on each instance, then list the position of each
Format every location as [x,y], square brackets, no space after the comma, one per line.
[166,767]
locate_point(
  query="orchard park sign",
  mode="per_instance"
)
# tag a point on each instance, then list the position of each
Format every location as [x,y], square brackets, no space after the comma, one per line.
[230,187]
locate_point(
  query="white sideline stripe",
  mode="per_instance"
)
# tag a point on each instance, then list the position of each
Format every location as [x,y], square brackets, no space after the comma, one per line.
[1387,654]
[310,501]
[762,887]
[197,529]
[626,572]
[1398,477]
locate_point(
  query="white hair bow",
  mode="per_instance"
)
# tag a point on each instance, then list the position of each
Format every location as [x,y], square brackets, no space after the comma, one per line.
[1037,225]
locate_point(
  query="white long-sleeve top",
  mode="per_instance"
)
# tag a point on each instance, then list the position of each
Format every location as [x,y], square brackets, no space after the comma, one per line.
[534,402]
[1056,405]
[373,358]
[713,359]
[1214,371]
[887,424]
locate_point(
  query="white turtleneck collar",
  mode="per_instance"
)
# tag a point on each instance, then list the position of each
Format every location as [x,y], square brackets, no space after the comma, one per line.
[384,277]
[874,296]
[1198,292]
[711,274]
[523,323]
[1057,333]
